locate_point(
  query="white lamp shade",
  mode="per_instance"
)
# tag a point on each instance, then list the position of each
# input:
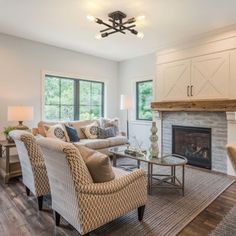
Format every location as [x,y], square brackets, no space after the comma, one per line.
[20,113]
[125,102]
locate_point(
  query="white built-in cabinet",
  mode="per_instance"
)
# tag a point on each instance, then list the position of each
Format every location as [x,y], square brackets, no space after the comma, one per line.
[200,77]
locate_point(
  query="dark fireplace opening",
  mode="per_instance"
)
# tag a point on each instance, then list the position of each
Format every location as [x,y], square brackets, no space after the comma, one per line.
[193,143]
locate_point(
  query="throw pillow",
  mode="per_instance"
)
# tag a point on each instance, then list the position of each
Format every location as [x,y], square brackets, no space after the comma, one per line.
[98,164]
[106,133]
[56,131]
[72,133]
[105,123]
[91,131]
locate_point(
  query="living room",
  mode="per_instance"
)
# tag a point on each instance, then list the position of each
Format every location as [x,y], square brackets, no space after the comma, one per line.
[142,93]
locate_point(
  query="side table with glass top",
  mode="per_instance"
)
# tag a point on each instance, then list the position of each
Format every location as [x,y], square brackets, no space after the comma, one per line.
[163,180]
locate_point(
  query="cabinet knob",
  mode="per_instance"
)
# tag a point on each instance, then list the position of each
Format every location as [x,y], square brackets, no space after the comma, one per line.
[191,91]
[188,90]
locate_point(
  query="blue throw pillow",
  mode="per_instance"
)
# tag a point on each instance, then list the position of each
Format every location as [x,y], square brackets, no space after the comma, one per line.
[72,133]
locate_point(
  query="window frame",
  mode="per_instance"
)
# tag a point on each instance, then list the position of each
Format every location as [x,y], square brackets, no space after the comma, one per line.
[76,94]
[137,99]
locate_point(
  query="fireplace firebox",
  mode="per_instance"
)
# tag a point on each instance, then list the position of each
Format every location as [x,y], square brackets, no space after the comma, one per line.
[194,143]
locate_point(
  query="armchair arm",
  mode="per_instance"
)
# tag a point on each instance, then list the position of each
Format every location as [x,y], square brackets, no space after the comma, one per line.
[112,186]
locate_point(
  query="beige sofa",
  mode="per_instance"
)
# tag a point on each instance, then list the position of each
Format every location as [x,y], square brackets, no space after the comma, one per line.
[101,145]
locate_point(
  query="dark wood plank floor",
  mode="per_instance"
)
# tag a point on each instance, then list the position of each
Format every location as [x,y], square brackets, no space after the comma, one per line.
[207,220]
[19,215]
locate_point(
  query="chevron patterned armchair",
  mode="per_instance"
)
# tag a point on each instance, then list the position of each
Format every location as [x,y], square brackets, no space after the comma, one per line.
[84,204]
[34,171]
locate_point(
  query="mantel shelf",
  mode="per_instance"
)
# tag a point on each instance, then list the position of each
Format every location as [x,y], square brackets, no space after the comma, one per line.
[226,105]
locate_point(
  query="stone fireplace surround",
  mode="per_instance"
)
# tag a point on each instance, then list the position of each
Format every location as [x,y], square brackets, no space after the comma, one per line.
[222,124]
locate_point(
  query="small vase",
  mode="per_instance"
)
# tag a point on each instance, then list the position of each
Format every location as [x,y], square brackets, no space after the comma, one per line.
[154,150]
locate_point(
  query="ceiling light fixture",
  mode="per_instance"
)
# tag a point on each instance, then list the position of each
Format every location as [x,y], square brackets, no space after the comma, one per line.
[118,25]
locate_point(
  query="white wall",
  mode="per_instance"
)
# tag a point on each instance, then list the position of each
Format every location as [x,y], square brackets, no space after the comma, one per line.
[22,63]
[131,71]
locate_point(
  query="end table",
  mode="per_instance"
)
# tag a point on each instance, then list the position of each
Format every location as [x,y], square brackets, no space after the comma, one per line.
[9,164]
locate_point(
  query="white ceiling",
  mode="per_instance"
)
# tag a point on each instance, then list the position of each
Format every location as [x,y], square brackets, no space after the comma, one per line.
[63,23]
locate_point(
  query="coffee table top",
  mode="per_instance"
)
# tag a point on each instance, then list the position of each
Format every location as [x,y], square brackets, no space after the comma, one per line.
[167,160]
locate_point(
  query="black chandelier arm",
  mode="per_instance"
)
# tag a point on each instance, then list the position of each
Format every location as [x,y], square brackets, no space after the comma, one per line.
[125,27]
[129,27]
[110,26]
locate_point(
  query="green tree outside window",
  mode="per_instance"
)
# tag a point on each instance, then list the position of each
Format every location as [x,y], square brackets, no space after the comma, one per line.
[144,95]
[72,99]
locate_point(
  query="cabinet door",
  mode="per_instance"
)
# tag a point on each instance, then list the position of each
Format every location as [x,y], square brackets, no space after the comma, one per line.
[210,76]
[173,79]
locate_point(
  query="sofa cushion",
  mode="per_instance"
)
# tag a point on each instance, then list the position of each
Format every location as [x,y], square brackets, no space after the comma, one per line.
[94,143]
[105,123]
[42,130]
[117,140]
[106,133]
[72,133]
[78,124]
[57,131]
[91,131]
[98,164]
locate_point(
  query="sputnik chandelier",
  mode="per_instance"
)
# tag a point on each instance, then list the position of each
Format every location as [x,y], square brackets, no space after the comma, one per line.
[117,25]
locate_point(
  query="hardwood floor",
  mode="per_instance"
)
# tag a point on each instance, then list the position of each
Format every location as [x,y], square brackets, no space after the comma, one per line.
[19,215]
[207,220]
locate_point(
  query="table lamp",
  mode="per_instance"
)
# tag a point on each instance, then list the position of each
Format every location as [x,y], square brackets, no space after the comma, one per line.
[126,104]
[20,114]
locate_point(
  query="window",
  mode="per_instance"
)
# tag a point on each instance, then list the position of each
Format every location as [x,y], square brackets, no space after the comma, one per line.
[72,99]
[143,100]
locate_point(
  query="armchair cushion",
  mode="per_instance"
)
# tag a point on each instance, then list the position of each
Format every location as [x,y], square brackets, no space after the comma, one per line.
[98,164]
[231,150]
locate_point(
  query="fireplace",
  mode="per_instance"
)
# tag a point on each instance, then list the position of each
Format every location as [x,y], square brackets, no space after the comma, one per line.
[194,143]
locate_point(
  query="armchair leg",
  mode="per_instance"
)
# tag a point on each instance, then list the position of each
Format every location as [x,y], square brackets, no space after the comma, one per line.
[57,218]
[40,202]
[27,191]
[141,212]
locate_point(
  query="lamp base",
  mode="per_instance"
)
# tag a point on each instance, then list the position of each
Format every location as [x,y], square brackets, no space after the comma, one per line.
[20,126]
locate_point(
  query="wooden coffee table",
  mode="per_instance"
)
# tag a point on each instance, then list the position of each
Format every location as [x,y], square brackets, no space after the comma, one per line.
[163,180]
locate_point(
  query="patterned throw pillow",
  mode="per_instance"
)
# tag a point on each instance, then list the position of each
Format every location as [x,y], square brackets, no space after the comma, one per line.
[56,131]
[91,131]
[105,123]
[106,133]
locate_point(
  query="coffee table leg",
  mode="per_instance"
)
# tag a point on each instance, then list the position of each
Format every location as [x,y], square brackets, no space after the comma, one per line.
[172,174]
[138,162]
[114,160]
[149,178]
[183,177]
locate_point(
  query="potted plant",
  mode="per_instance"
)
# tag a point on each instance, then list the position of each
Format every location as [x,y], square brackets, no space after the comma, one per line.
[6,132]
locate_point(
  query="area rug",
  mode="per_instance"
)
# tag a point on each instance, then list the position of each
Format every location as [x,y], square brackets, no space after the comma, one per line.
[227,226]
[167,211]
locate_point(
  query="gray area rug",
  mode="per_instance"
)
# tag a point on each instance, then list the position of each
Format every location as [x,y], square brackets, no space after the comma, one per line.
[167,211]
[227,227]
